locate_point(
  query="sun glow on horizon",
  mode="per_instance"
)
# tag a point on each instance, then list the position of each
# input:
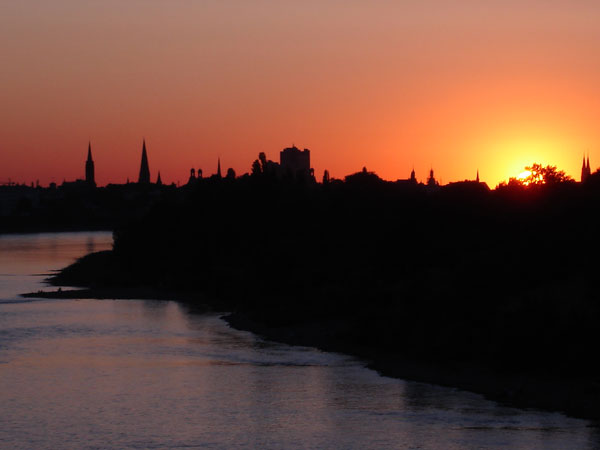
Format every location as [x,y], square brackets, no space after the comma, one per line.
[523,176]
[511,156]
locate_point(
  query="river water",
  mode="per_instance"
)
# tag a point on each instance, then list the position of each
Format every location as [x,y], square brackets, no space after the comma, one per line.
[147,374]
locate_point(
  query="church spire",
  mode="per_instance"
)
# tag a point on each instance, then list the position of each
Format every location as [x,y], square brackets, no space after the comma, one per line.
[144,177]
[158,180]
[588,164]
[89,167]
[431,181]
[477,179]
[585,168]
[219,168]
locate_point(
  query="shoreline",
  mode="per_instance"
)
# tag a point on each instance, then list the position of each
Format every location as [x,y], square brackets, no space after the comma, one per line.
[573,396]
[47,230]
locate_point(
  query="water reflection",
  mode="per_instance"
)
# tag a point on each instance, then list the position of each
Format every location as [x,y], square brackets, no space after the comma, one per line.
[90,244]
[147,374]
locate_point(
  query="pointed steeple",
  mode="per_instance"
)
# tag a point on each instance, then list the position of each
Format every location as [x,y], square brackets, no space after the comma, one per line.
[158,180]
[585,168]
[588,164]
[144,177]
[219,168]
[89,167]
[477,179]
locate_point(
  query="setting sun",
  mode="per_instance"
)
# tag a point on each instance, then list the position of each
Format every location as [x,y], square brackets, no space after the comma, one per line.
[523,176]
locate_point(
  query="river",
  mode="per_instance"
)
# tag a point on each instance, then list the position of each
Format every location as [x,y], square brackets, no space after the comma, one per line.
[141,374]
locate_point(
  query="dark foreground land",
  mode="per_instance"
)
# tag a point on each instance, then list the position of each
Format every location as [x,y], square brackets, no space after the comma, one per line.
[74,206]
[491,291]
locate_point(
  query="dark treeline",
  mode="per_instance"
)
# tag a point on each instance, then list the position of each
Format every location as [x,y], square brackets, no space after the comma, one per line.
[504,278]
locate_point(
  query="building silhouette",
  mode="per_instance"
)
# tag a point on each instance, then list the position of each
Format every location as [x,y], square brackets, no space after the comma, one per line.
[89,168]
[144,177]
[192,178]
[431,181]
[408,182]
[585,169]
[295,161]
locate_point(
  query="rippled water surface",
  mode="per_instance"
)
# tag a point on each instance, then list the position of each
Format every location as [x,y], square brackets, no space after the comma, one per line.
[146,374]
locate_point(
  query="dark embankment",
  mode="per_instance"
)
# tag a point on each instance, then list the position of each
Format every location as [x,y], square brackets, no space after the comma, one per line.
[75,206]
[494,291]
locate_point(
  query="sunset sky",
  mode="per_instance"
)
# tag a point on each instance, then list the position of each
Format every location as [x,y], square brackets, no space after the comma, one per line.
[459,85]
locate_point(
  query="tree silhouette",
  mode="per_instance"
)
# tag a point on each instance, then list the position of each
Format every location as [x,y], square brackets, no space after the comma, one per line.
[256,169]
[539,175]
[262,157]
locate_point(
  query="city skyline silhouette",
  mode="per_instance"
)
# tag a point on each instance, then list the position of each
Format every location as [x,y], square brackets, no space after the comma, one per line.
[145,176]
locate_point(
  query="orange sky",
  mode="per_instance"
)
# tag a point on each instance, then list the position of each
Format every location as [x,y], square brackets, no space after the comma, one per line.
[460,85]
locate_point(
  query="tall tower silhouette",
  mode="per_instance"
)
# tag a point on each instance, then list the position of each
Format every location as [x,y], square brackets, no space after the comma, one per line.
[585,169]
[144,169]
[589,170]
[89,167]
[431,181]
[219,168]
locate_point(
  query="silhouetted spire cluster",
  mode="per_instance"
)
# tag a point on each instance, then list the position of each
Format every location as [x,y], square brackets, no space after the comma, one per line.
[197,174]
[585,169]
[294,164]
[144,175]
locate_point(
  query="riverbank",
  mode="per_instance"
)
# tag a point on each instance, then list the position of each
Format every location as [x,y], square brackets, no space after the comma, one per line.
[524,389]
[574,397]
[43,229]
[111,293]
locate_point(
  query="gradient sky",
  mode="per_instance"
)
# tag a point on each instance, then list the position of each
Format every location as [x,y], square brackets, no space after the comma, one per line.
[458,85]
